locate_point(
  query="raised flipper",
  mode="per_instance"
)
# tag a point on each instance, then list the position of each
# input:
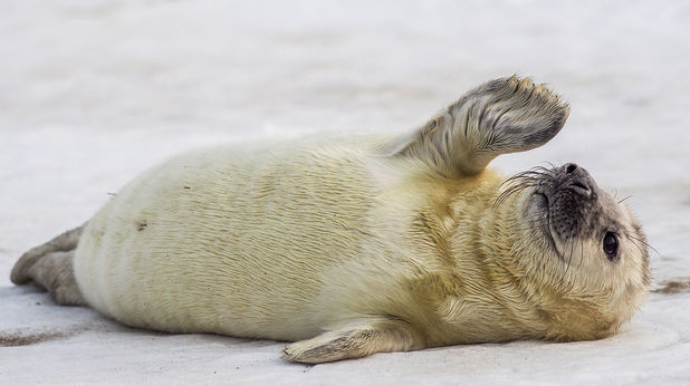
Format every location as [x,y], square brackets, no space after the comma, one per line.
[50,267]
[355,341]
[505,115]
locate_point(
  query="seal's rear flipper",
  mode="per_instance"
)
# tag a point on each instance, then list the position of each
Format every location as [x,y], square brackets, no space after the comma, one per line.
[505,115]
[55,273]
[50,266]
[355,341]
[66,241]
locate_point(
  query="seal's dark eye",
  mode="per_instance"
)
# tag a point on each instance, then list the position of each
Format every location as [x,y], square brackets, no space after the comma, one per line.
[611,245]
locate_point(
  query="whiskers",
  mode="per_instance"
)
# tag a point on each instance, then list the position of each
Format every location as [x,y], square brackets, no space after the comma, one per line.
[522,181]
[568,254]
[624,199]
[636,241]
[620,201]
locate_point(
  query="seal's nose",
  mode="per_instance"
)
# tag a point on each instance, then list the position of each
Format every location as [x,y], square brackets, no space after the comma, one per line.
[577,179]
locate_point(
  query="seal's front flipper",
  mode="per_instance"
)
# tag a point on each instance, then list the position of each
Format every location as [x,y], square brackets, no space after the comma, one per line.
[505,115]
[354,342]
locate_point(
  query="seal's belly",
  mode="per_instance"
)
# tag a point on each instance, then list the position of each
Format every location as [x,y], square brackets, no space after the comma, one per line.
[226,241]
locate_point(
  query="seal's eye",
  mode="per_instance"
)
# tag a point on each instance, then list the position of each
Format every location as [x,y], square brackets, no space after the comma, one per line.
[611,245]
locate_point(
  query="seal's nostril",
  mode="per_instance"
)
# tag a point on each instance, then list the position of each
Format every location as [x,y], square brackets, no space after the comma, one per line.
[570,168]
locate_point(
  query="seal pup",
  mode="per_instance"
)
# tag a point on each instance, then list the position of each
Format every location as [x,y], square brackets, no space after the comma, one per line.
[352,245]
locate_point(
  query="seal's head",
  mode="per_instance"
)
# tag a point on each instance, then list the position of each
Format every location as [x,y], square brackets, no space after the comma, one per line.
[583,247]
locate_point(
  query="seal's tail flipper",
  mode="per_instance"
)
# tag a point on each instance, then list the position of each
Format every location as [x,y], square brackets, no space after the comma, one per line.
[50,266]
[505,115]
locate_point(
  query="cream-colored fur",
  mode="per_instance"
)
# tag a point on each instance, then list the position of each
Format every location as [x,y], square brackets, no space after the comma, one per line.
[353,245]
